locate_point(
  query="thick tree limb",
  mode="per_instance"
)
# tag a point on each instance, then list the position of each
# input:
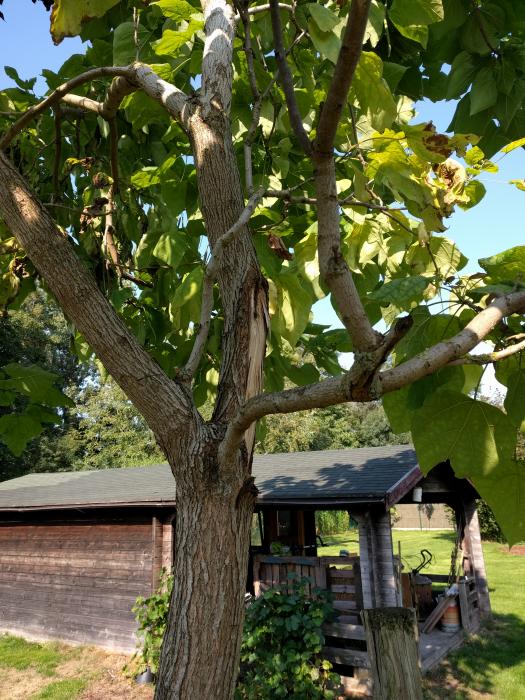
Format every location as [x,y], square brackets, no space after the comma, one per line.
[342,79]
[217,74]
[163,403]
[332,264]
[364,383]
[452,349]
[286,80]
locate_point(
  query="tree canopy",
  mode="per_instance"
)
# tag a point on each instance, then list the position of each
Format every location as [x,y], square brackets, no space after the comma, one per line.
[207,171]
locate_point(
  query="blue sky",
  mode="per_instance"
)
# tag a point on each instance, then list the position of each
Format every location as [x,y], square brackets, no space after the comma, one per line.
[495,224]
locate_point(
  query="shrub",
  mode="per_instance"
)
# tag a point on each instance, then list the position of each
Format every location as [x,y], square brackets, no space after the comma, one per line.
[488,526]
[281,647]
[331,522]
[152,616]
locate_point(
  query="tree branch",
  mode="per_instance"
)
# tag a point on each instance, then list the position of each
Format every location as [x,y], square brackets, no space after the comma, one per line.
[163,403]
[342,79]
[56,96]
[286,80]
[127,80]
[207,289]
[488,357]
[454,348]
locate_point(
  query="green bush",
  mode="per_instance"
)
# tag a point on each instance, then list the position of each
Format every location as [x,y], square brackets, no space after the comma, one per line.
[152,616]
[331,522]
[281,647]
[488,526]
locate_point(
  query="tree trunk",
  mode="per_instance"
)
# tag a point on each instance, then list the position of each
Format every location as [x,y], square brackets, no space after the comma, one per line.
[200,652]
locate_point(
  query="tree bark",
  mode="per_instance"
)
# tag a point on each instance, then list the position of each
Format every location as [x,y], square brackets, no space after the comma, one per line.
[201,647]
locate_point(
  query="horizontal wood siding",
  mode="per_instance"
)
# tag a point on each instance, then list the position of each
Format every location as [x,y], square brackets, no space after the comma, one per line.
[75,581]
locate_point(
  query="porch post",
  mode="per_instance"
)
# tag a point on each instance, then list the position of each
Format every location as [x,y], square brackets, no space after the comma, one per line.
[377,559]
[474,565]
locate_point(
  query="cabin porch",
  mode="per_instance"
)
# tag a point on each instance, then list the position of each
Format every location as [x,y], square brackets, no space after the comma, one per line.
[373,575]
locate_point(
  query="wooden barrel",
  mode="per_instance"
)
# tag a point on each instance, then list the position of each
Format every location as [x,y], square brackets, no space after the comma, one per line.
[450,621]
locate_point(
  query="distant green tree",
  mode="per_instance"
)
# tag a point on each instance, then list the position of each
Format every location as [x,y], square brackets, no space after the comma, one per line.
[38,335]
[108,431]
[337,427]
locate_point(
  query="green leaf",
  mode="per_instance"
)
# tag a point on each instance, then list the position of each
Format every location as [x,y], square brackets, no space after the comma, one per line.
[417,33]
[506,266]
[34,382]
[68,17]
[474,436]
[461,75]
[171,41]
[124,47]
[177,10]
[17,430]
[515,144]
[475,191]
[440,256]
[504,491]
[414,12]
[484,92]
[23,84]
[324,18]
[372,91]
[376,23]
[515,399]
[401,292]
[189,289]
[327,43]
[170,249]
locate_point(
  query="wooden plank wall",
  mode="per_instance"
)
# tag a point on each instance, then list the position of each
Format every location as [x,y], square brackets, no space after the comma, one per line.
[76,581]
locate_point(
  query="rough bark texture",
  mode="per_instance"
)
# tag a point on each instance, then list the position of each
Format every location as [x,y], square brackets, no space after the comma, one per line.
[242,287]
[201,646]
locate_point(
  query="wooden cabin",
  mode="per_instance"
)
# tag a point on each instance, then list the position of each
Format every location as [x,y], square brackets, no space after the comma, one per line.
[77,548]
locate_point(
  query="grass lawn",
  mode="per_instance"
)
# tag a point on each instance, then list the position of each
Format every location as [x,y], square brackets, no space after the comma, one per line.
[53,671]
[491,664]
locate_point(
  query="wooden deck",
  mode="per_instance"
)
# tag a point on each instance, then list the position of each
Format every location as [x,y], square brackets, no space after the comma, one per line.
[435,646]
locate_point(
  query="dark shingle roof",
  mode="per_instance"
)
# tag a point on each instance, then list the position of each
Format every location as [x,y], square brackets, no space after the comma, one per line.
[369,474]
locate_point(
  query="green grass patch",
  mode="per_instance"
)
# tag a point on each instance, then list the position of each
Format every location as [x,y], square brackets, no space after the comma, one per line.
[67,689]
[19,654]
[491,664]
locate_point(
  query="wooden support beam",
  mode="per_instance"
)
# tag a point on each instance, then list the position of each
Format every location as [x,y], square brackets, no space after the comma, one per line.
[391,636]
[156,546]
[474,562]
[377,559]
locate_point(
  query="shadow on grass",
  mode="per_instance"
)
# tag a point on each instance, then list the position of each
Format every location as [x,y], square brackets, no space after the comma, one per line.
[472,671]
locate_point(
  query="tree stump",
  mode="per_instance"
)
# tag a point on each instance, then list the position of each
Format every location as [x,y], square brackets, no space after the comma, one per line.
[393,652]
